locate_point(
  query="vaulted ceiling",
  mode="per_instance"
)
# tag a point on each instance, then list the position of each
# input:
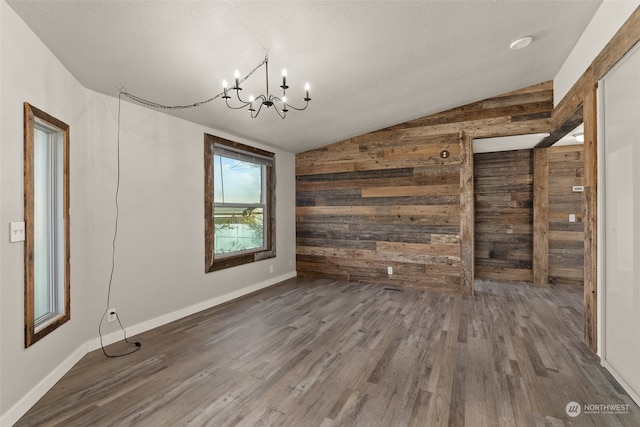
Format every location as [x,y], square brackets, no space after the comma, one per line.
[371,64]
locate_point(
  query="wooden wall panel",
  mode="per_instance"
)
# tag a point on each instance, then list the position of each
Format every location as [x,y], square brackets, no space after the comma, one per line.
[467,215]
[566,239]
[504,215]
[353,225]
[387,198]
[591,212]
[540,216]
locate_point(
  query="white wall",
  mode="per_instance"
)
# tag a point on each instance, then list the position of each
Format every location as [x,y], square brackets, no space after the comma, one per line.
[619,221]
[159,272]
[24,63]
[605,23]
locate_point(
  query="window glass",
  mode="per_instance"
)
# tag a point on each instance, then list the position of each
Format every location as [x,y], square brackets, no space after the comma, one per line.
[47,300]
[239,199]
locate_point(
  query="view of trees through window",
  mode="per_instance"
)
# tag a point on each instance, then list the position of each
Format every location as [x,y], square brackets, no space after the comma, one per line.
[238,204]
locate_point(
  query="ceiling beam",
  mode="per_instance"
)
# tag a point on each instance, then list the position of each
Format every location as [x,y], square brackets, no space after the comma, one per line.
[569,124]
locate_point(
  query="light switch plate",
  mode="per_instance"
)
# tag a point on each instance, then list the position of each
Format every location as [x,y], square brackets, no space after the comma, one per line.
[16,232]
[572,217]
[578,188]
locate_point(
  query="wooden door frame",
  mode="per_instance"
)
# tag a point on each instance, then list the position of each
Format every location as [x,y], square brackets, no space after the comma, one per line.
[581,100]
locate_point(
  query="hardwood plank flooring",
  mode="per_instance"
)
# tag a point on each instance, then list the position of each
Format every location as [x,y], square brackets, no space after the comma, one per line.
[331,353]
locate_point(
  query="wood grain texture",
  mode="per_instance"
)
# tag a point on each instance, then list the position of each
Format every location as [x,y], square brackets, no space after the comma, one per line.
[467,214]
[332,353]
[540,216]
[570,123]
[590,219]
[504,215]
[624,39]
[31,336]
[387,198]
[565,239]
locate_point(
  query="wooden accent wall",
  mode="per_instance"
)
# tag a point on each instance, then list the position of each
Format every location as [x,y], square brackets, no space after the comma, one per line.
[387,198]
[367,205]
[504,215]
[566,239]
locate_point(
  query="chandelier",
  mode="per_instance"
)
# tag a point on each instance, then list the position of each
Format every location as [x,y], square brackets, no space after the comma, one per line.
[255,104]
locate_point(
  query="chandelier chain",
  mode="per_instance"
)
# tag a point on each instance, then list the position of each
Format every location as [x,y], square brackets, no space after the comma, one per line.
[195,104]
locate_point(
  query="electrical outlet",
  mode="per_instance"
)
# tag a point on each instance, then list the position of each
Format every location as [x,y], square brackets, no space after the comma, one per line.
[389,270]
[111,315]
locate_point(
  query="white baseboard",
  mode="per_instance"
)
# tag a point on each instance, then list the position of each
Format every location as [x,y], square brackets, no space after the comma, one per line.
[10,417]
[139,328]
[19,409]
[634,396]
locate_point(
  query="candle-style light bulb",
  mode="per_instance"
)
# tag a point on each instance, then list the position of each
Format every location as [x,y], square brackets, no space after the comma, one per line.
[251,98]
[236,76]
[225,85]
[306,88]
[284,99]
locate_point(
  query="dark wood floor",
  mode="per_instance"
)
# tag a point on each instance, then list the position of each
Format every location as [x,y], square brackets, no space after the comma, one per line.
[324,353]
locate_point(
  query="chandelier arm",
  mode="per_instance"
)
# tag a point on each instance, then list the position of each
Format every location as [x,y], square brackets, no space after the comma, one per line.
[253,116]
[236,108]
[296,108]
[282,114]
[240,99]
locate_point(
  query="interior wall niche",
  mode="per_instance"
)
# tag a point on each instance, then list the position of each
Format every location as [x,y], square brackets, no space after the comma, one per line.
[566,215]
[504,215]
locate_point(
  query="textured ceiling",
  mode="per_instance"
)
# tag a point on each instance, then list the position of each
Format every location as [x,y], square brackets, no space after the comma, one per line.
[371,64]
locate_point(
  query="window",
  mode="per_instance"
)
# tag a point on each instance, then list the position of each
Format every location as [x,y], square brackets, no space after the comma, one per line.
[239,203]
[46,186]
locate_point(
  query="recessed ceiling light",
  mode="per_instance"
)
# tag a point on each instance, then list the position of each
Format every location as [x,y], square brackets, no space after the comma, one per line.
[521,43]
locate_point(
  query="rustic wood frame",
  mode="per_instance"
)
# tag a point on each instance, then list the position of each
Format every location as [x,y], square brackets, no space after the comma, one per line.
[467,214]
[540,216]
[581,102]
[212,264]
[30,335]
